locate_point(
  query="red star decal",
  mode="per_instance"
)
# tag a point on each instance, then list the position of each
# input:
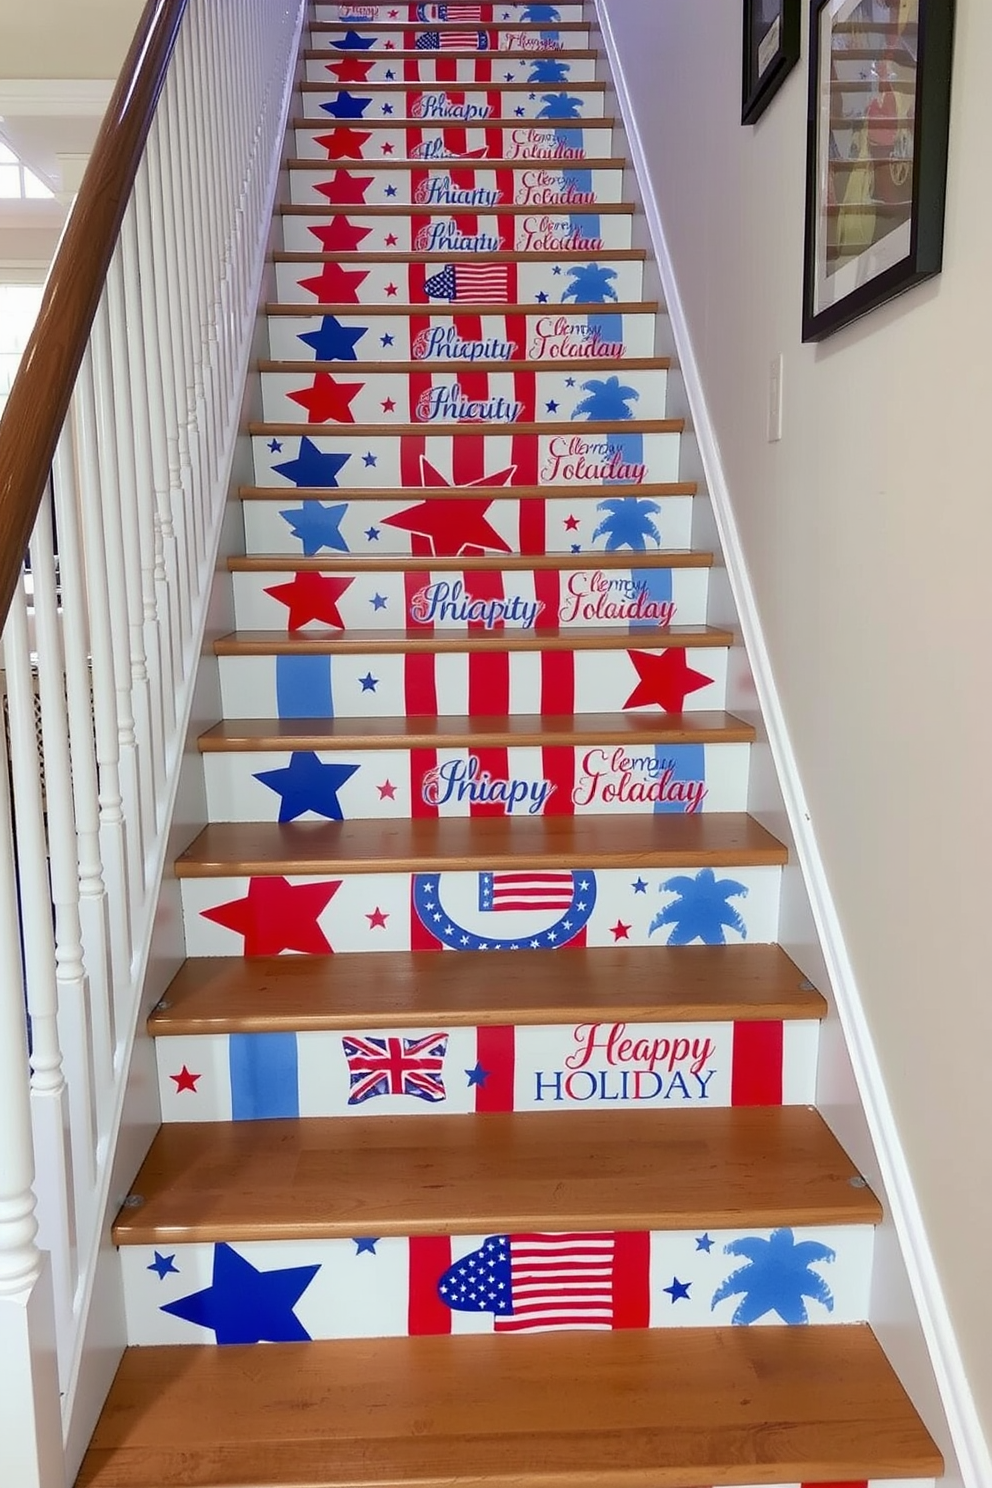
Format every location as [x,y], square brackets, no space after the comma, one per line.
[391,291]
[391,240]
[276,916]
[665,678]
[387,792]
[620,931]
[571,524]
[351,70]
[340,235]
[184,1080]
[452,526]
[390,46]
[389,405]
[328,401]
[335,285]
[377,919]
[344,189]
[343,143]
[311,596]
[387,149]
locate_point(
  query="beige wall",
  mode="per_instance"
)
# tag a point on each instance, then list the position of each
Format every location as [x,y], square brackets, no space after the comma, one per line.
[65,38]
[868,535]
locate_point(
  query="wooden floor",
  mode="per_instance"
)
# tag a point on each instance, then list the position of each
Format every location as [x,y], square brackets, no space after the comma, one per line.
[653,1409]
[480,1174]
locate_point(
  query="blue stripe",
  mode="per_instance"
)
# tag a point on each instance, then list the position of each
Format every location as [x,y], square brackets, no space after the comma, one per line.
[572,139]
[688,762]
[606,327]
[303,687]
[584,226]
[264,1076]
[631,447]
[579,178]
[657,585]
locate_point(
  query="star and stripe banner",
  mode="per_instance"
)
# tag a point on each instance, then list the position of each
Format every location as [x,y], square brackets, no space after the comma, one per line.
[383,140]
[432,13]
[515,1283]
[457,107]
[448,67]
[457,1071]
[423,230]
[403,279]
[446,37]
[447,187]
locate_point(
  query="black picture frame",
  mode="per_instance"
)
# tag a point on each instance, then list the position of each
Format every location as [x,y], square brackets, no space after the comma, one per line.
[876,156]
[770,51]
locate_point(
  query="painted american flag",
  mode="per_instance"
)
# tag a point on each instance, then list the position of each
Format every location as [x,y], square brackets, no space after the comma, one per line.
[536,1281]
[395,1066]
[516,891]
[467,13]
[452,41]
[476,284]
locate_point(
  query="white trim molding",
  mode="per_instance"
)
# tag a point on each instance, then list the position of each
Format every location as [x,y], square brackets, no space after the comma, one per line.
[50,98]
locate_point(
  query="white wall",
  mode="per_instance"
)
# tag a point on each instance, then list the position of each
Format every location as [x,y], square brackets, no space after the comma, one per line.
[65,38]
[867,533]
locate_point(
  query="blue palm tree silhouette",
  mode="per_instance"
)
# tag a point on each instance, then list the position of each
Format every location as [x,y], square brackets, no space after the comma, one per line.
[606,400]
[700,911]
[560,106]
[777,1277]
[591,285]
[628,523]
[549,70]
[541,13]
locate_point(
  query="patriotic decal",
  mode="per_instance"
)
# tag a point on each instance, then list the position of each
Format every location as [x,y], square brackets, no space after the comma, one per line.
[531,1282]
[452,41]
[479,284]
[395,1066]
[536,910]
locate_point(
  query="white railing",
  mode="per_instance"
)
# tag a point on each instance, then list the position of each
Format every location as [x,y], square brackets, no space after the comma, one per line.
[102,639]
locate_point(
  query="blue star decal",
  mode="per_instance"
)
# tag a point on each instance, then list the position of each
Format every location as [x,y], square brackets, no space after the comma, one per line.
[508,77]
[369,459]
[556,271]
[551,406]
[387,108]
[542,298]
[372,533]
[703,1242]
[312,467]
[334,342]
[386,340]
[576,547]
[317,526]
[244,1305]
[478,1075]
[365,1244]
[369,683]
[639,886]
[569,381]
[390,74]
[353,42]
[389,191]
[162,1265]
[378,601]
[307,785]
[346,106]
[678,1290]
[275,446]
[519,113]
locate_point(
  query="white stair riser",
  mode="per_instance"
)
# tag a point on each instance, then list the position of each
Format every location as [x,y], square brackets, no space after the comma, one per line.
[449,684]
[365,15]
[531,526]
[376,1072]
[513,601]
[397,460]
[448,396]
[404,283]
[437,104]
[471,190]
[543,230]
[435,68]
[371,912]
[471,38]
[560,334]
[592,780]
[421,141]
[390,1287]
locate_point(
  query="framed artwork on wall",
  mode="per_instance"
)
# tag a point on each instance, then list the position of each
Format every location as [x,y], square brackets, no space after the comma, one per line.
[876,161]
[771,50]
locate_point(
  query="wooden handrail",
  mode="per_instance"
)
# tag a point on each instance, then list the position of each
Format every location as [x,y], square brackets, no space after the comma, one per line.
[39,399]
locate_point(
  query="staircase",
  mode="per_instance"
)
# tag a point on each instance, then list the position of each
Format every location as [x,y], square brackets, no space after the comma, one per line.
[473,705]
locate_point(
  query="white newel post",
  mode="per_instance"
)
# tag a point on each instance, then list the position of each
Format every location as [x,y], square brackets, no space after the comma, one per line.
[30,1415]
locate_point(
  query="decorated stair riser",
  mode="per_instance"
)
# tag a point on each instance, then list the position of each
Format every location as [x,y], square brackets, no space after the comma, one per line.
[552,143]
[448,14]
[450,68]
[371,912]
[309,526]
[417,461]
[535,282]
[520,229]
[456,340]
[551,781]
[438,103]
[395,1286]
[392,1072]
[374,684]
[470,189]
[451,396]
[392,38]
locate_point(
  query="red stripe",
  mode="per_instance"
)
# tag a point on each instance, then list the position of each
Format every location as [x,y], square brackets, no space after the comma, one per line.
[446,70]
[557,682]
[631,1272]
[757,1065]
[430,1257]
[421,938]
[489,684]
[420,686]
[421,760]
[516,334]
[526,457]
[547,589]
[496,1050]
[525,393]
[533,531]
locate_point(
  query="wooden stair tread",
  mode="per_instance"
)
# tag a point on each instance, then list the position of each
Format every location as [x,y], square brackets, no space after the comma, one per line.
[365,369]
[453,430]
[489,563]
[327,1177]
[222,994]
[474,844]
[408,642]
[668,1408]
[623,307]
[635,730]
[453,493]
